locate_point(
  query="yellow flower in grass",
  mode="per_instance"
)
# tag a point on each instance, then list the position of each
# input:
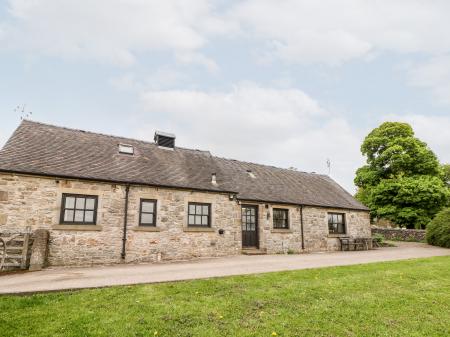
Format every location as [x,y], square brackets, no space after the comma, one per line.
[274,333]
[155,333]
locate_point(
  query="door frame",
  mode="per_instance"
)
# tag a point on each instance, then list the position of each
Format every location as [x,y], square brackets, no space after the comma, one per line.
[256,207]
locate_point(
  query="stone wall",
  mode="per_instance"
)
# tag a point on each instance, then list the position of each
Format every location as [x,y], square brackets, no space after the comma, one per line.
[36,202]
[316,233]
[172,239]
[400,234]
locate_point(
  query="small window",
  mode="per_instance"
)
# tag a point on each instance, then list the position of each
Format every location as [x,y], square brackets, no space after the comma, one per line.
[147,213]
[199,214]
[79,209]
[280,218]
[126,149]
[336,223]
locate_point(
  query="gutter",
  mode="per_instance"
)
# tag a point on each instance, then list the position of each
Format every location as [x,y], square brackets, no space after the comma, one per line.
[304,205]
[113,181]
[125,222]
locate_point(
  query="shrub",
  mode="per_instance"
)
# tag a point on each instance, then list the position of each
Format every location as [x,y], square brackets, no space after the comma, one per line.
[378,237]
[438,230]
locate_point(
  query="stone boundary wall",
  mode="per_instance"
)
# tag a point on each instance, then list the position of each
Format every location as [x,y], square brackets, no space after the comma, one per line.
[400,234]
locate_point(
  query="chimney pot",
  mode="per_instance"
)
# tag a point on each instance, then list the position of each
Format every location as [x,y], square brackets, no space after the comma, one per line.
[165,139]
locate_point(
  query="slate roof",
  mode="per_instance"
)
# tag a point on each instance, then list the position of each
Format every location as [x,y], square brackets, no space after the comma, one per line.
[41,149]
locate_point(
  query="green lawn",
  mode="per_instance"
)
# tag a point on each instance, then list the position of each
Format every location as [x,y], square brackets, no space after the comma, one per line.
[407,298]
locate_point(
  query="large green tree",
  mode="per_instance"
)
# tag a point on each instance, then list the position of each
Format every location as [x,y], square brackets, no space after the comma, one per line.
[403,180]
[446,169]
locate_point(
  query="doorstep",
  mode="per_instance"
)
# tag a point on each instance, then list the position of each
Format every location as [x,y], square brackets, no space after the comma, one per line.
[254,251]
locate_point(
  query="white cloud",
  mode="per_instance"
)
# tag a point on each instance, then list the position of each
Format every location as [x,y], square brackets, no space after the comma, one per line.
[297,31]
[333,32]
[199,59]
[434,75]
[283,127]
[115,31]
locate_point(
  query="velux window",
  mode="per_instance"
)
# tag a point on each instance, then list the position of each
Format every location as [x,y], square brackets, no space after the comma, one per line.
[336,223]
[199,214]
[126,149]
[79,209]
[147,214]
[280,218]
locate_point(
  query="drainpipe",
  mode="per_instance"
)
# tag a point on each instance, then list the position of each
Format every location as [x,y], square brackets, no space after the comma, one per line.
[301,227]
[125,221]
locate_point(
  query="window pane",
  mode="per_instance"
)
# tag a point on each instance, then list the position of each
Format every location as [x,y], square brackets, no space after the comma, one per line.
[191,220]
[205,220]
[80,203]
[148,206]
[198,209]
[79,216]
[90,203]
[68,216]
[205,210]
[191,209]
[198,220]
[147,218]
[70,202]
[275,214]
[89,216]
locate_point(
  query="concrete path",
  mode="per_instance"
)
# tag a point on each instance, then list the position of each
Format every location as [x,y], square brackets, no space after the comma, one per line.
[75,278]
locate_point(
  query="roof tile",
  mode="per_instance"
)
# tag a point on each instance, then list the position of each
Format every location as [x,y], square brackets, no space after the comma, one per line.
[37,148]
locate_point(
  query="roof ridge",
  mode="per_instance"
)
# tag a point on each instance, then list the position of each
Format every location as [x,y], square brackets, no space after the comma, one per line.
[153,143]
[31,150]
[269,166]
[85,131]
[105,135]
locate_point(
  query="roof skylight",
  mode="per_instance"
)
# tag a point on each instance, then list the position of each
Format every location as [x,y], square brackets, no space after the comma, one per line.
[126,149]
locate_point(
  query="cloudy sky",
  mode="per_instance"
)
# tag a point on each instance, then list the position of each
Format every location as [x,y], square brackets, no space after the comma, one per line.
[288,83]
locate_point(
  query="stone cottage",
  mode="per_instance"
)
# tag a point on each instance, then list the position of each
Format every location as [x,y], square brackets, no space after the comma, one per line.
[107,199]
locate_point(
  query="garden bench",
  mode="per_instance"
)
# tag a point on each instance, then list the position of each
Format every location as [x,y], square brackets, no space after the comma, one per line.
[356,244]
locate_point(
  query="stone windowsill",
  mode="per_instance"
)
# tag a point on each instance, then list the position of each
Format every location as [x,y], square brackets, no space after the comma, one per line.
[77,227]
[198,229]
[146,229]
[338,235]
[281,230]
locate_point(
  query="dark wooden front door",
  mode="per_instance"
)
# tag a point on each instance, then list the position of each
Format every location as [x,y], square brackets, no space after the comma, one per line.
[249,226]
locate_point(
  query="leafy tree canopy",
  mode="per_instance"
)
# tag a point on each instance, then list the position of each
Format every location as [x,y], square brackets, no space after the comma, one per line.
[403,180]
[446,172]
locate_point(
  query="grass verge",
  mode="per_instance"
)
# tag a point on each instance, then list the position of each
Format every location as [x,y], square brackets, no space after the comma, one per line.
[404,298]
